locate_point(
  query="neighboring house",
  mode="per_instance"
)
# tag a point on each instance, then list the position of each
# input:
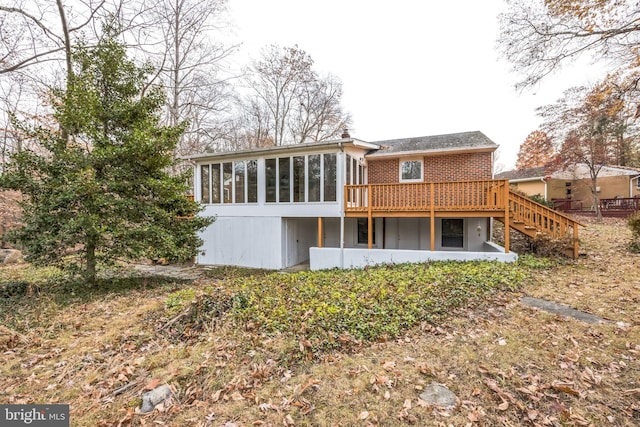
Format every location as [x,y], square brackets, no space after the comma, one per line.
[350,203]
[571,189]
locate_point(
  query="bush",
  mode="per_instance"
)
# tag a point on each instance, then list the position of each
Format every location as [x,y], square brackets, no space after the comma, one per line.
[539,198]
[634,225]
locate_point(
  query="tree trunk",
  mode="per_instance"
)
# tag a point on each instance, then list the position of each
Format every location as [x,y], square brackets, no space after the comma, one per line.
[596,199]
[90,272]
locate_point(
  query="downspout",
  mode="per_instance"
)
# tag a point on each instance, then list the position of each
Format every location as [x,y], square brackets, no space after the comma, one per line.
[544,181]
[343,207]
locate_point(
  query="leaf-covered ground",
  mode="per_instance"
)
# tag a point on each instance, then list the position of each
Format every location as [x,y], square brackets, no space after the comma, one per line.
[508,364]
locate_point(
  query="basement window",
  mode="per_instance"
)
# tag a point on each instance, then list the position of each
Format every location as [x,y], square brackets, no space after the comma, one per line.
[452,233]
[363,232]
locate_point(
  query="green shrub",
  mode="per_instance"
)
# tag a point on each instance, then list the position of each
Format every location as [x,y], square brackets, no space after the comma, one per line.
[539,198]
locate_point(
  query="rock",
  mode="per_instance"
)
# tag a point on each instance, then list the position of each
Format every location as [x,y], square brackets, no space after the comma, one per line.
[10,256]
[440,395]
[154,397]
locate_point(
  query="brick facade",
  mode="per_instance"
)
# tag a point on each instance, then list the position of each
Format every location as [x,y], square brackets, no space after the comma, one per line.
[442,168]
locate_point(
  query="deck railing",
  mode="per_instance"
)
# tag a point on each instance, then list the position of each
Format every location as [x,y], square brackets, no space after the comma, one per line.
[545,220]
[621,203]
[483,195]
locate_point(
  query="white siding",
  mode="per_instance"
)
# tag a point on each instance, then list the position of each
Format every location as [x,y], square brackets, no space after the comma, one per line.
[243,241]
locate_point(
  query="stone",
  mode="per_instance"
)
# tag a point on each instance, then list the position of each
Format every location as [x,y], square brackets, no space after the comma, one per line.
[10,256]
[155,397]
[439,395]
[561,309]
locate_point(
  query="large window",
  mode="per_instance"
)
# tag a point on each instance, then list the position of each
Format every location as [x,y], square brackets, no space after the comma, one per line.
[252,181]
[329,178]
[227,182]
[284,179]
[452,233]
[271,179]
[205,190]
[215,183]
[238,172]
[314,178]
[298,179]
[230,182]
[411,170]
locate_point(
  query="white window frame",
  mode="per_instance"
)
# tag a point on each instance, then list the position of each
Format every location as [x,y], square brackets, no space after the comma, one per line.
[411,159]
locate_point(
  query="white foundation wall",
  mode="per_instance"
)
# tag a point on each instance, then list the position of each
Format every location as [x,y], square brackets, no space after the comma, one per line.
[327,258]
[243,241]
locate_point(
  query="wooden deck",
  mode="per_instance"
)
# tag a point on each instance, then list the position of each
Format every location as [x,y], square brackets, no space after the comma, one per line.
[485,198]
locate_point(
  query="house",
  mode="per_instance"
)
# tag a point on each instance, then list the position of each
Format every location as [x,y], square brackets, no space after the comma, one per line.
[571,189]
[351,203]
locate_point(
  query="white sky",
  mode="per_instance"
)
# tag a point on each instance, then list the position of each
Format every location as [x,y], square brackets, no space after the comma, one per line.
[409,67]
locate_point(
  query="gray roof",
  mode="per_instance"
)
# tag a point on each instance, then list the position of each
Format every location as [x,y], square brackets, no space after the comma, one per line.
[463,141]
[528,173]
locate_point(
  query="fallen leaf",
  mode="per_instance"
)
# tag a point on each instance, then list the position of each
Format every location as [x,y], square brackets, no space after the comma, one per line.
[389,365]
[153,383]
[503,406]
[363,415]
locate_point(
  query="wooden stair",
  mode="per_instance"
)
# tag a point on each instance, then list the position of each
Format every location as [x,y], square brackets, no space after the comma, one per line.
[534,220]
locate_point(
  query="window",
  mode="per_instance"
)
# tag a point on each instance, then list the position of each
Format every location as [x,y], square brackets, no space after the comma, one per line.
[411,170]
[252,181]
[227,181]
[238,172]
[638,183]
[452,233]
[329,178]
[298,179]
[270,179]
[215,183]
[314,178]
[205,191]
[349,177]
[363,232]
[284,178]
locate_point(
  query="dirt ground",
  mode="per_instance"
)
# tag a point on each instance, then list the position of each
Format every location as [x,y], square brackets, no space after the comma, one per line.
[508,364]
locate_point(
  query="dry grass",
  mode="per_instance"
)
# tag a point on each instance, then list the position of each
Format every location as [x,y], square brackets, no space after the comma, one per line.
[508,364]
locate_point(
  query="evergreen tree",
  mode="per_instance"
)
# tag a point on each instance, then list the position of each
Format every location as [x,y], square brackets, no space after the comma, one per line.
[100,190]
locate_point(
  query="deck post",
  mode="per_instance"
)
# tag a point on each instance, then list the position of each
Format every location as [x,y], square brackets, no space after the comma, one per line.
[505,197]
[369,220]
[432,221]
[319,231]
[575,241]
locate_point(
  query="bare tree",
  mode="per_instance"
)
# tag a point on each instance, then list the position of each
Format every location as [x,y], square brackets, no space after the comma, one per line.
[539,36]
[302,105]
[189,60]
[319,116]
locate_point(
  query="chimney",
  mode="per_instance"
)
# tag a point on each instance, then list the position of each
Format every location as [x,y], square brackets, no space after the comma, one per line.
[345,134]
